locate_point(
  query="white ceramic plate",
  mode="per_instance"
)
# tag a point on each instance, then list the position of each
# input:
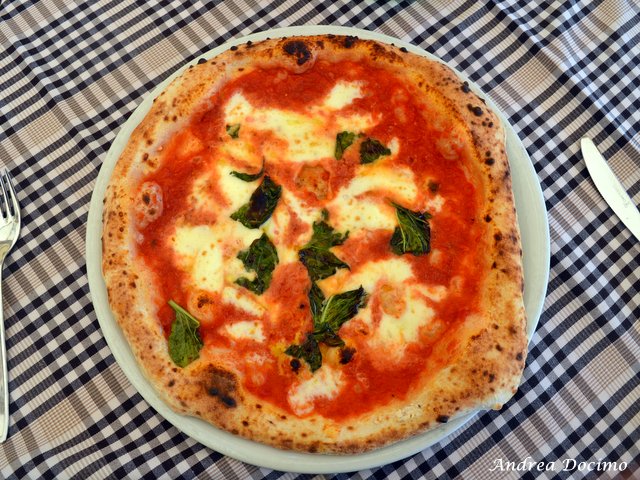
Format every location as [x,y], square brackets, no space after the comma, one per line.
[535,244]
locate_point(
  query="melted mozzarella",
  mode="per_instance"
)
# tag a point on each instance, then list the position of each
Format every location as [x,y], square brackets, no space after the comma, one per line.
[342,94]
[393,271]
[276,226]
[395,330]
[325,383]
[302,133]
[435,204]
[236,191]
[236,296]
[246,330]
[400,322]
[355,207]
[200,251]
[305,134]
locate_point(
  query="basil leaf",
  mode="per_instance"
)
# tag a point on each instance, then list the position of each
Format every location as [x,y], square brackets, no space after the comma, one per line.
[309,351]
[328,317]
[233,130]
[413,233]
[343,141]
[337,309]
[316,300]
[329,337]
[261,205]
[184,340]
[315,255]
[249,177]
[371,149]
[320,263]
[262,258]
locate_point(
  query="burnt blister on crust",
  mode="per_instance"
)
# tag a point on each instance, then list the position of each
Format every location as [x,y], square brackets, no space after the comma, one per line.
[298,49]
[350,41]
[222,385]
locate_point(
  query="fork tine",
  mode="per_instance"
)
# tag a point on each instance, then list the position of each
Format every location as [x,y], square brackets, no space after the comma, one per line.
[12,194]
[4,203]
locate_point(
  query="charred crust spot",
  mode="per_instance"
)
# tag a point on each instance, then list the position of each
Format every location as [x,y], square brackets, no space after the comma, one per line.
[228,401]
[302,306]
[495,326]
[258,406]
[487,218]
[320,43]
[171,383]
[477,111]
[497,237]
[494,265]
[465,87]
[475,337]
[492,377]
[295,365]
[249,44]
[221,384]
[490,125]
[513,330]
[499,347]
[403,49]
[245,423]
[489,161]
[346,354]
[298,49]
[233,48]
[442,419]
[146,198]
[519,356]
[350,41]
[201,61]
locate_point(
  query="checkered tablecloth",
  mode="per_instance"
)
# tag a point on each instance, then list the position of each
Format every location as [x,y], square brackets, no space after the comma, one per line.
[70,74]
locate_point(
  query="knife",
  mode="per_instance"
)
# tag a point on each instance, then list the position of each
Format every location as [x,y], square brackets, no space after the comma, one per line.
[610,187]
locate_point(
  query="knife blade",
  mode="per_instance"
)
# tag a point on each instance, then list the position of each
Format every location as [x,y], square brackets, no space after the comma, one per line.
[610,187]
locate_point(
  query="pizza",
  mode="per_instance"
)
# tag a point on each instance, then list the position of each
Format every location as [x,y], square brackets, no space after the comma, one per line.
[311,242]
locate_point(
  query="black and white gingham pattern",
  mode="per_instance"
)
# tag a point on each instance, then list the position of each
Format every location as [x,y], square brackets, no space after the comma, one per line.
[71,72]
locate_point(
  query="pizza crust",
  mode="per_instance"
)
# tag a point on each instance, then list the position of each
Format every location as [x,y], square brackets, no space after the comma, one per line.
[486,363]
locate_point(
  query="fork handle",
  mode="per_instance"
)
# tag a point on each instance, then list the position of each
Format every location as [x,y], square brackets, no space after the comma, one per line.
[4,383]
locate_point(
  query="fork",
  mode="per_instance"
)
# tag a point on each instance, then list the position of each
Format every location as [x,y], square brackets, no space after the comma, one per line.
[9,232]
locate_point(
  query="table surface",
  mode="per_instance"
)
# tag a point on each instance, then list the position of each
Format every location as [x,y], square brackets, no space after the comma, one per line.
[72,72]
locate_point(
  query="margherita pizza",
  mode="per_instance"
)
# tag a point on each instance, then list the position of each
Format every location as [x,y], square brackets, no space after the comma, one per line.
[311,242]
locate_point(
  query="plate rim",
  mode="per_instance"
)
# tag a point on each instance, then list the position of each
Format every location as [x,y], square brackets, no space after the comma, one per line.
[242,449]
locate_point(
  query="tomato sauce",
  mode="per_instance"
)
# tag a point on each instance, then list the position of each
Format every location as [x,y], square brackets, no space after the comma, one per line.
[455,231]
